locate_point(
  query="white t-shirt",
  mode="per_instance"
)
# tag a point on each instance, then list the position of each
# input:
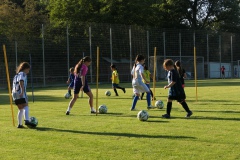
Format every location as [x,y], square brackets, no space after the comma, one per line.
[21,76]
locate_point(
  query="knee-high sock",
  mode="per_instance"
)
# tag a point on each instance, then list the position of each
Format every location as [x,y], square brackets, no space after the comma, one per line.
[115,90]
[20,116]
[185,106]
[26,113]
[142,95]
[169,107]
[148,99]
[134,102]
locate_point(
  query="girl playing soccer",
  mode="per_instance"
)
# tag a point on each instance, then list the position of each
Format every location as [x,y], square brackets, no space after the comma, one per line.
[176,91]
[19,94]
[115,80]
[80,83]
[70,80]
[181,72]
[147,75]
[137,83]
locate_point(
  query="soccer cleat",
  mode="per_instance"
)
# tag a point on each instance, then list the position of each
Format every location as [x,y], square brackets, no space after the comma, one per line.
[124,90]
[67,113]
[150,107]
[93,111]
[189,114]
[20,126]
[29,124]
[165,116]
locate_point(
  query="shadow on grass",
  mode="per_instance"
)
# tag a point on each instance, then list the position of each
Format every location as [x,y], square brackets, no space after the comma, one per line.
[207,118]
[217,111]
[114,134]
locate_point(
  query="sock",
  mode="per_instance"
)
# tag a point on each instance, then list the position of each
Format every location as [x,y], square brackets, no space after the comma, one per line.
[26,113]
[134,101]
[20,116]
[169,107]
[148,99]
[92,109]
[142,95]
[69,108]
[151,93]
[185,106]
[115,90]
[69,91]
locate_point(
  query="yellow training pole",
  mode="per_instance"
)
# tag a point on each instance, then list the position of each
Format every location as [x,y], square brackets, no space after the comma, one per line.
[154,74]
[97,81]
[195,71]
[9,88]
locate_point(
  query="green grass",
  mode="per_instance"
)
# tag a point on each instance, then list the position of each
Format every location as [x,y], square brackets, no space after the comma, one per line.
[211,133]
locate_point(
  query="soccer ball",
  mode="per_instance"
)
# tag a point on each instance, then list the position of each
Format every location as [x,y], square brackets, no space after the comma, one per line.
[34,121]
[142,115]
[102,109]
[159,104]
[108,93]
[67,95]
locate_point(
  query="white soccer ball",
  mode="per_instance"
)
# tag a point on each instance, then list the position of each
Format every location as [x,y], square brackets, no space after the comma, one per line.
[159,104]
[108,93]
[143,115]
[67,95]
[34,121]
[102,109]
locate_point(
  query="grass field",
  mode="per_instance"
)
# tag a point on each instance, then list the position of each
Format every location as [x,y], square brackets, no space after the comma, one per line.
[213,131]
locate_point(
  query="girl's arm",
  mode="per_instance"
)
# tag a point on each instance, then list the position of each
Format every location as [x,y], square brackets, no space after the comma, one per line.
[21,88]
[184,75]
[169,85]
[83,81]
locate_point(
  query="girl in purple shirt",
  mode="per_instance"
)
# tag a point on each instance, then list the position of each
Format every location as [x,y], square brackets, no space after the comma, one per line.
[80,83]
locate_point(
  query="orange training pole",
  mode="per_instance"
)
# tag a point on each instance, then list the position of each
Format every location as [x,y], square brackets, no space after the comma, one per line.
[8,80]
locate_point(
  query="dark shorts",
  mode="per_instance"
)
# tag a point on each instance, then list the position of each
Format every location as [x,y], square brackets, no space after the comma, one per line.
[71,85]
[20,101]
[114,85]
[180,98]
[78,85]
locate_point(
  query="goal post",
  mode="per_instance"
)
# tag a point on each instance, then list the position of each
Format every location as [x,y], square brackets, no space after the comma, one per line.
[187,63]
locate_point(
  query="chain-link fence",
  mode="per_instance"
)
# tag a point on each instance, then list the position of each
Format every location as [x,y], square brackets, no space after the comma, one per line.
[54,50]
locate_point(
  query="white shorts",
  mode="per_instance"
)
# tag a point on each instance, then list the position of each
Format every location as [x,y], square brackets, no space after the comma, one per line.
[139,86]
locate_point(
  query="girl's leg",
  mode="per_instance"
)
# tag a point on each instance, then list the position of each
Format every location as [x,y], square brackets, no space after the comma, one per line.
[69,91]
[123,89]
[71,103]
[142,95]
[169,108]
[115,90]
[149,99]
[90,101]
[135,99]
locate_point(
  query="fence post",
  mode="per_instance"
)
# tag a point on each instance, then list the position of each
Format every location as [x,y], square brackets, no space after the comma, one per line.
[180,47]
[67,51]
[232,67]
[164,45]
[111,43]
[130,45]
[90,49]
[44,82]
[208,65]
[220,55]
[16,53]
[148,47]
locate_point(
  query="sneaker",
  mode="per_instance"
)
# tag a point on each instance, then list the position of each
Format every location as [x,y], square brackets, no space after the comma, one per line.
[67,113]
[20,126]
[165,116]
[150,107]
[189,114]
[124,90]
[93,111]
[29,124]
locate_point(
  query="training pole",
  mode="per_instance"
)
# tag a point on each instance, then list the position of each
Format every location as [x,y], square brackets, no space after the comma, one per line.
[154,74]
[8,80]
[30,59]
[97,81]
[195,66]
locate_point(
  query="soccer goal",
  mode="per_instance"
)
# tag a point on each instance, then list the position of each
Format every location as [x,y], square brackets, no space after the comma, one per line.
[186,61]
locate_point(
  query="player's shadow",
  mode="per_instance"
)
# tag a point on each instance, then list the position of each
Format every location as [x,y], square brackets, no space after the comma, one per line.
[207,118]
[114,134]
[217,111]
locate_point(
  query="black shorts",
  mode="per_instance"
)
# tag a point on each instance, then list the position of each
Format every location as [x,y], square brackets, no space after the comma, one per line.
[77,87]
[20,101]
[179,98]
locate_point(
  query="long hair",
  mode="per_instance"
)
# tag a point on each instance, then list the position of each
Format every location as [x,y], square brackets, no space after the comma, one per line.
[179,67]
[22,66]
[79,64]
[138,58]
